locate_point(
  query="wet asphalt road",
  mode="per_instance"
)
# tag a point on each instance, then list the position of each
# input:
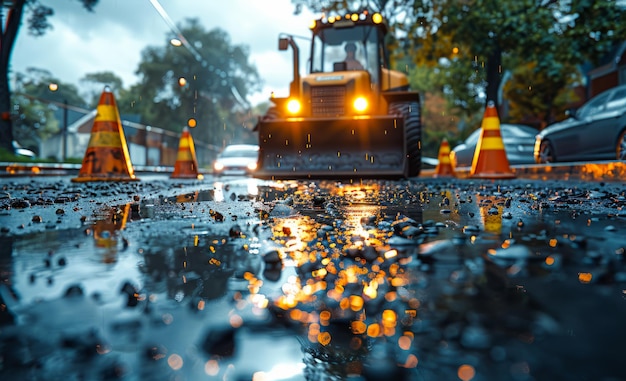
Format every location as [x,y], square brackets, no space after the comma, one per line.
[240,279]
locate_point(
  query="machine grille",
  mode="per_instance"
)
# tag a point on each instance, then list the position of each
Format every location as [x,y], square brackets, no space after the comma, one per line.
[328,100]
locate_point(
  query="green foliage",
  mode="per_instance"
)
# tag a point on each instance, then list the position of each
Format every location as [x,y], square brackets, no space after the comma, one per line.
[554,36]
[35,121]
[205,82]
[537,98]
[41,84]
[37,21]
[386,7]
[37,96]
[7,156]
[211,92]
[37,24]
[96,82]
[439,118]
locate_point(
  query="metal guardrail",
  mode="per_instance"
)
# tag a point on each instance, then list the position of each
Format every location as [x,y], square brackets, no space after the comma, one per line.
[9,169]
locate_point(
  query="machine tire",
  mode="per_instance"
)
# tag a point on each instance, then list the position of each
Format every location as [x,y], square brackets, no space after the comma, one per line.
[410,111]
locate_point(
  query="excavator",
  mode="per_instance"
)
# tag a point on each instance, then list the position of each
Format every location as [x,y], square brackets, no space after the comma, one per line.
[350,116]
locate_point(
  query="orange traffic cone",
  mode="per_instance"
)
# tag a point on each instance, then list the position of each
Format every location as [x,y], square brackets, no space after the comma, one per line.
[186,166]
[490,161]
[106,157]
[444,166]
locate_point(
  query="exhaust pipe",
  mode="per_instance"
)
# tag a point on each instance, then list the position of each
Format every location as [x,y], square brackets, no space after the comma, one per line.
[283,44]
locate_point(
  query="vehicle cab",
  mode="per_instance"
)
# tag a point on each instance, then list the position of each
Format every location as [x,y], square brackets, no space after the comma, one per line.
[348,70]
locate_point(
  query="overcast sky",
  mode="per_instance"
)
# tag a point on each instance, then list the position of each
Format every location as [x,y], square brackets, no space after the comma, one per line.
[113,36]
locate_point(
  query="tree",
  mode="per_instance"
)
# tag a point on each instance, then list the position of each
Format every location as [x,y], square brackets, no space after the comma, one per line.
[551,36]
[388,8]
[535,98]
[96,83]
[207,84]
[38,101]
[36,122]
[37,97]
[37,24]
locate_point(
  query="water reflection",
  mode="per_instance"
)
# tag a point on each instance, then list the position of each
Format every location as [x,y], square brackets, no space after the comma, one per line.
[491,209]
[351,293]
[106,230]
[376,281]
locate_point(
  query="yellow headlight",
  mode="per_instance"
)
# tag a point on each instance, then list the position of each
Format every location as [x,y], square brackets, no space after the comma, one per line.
[360,104]
[294,106]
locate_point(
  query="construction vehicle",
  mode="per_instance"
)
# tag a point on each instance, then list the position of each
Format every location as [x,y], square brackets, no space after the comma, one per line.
[342,119]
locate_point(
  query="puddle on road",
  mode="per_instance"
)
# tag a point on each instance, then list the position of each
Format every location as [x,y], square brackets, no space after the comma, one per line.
[309,279]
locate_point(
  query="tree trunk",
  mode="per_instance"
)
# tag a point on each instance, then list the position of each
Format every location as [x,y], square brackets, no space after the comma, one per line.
[7,40]
[494,70]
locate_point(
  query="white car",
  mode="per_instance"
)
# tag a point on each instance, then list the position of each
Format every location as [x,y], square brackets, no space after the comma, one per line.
[237,159]
[21,151]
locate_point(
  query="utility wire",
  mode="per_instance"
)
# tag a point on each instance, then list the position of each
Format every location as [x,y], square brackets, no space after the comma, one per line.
[196,54]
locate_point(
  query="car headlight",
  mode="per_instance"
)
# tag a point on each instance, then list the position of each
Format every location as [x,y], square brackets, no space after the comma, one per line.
[218,166]
[360,104]
[252,166]
[294,106]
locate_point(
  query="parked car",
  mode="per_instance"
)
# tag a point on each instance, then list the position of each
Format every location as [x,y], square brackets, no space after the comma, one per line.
[596,131]
[237,159]
[21,151]
[518,139]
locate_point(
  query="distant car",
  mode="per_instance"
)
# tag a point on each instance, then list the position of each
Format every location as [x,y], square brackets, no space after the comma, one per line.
[429,162]
[518,139]
[237,159]
[596,131]
[20,151]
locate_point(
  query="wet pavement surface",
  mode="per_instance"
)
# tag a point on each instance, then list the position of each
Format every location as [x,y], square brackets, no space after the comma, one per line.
[241,279]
